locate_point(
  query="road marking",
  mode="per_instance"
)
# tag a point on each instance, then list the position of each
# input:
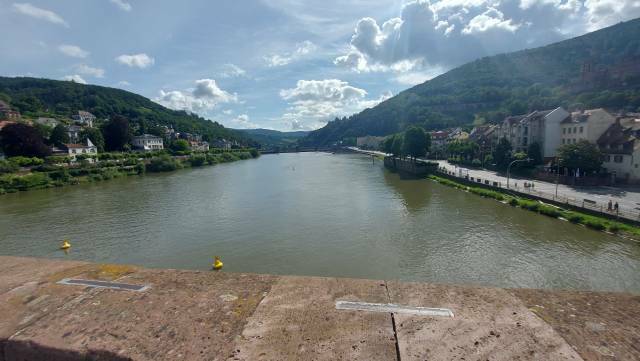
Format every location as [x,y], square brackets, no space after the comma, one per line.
[103,284]
[392,308]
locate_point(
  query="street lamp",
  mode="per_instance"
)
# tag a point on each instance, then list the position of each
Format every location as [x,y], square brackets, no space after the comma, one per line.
[512,163]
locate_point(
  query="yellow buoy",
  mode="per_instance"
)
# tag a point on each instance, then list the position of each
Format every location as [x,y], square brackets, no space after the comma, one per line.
[65,245]
[217,263]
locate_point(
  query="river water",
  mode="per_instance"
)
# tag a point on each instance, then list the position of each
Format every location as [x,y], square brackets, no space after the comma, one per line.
[315,214]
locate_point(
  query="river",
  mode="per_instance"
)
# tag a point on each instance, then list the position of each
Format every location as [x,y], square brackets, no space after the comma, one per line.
[315,214]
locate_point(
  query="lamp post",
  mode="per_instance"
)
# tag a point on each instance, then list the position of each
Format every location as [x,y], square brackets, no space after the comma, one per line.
[557,176]
[509,168]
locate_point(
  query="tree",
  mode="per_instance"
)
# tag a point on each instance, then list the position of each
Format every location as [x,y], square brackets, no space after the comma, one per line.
[583,155]
[180,145]
[387,144]
[116,133]
[415,142]
[23,140]
[59,136]
[502,153]
[396,147]
[534,152]
[95,135]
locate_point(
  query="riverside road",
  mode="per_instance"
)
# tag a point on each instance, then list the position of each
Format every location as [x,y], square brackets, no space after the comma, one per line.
[628,198]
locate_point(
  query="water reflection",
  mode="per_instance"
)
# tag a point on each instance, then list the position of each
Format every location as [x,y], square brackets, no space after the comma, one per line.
[415,194]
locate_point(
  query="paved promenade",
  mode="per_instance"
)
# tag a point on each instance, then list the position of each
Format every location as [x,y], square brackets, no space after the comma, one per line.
[191,315]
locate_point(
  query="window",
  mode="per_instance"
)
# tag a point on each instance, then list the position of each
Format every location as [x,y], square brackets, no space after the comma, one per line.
[607,158]
[562,140]
[581,129]
[564,130]
[617,158]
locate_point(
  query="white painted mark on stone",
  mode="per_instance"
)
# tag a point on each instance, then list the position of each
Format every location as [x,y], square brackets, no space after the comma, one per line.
[392,308]
[103,284]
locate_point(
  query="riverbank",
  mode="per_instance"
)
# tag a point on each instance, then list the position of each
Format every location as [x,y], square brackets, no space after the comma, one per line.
[580,218]
[110,166]
[195,315]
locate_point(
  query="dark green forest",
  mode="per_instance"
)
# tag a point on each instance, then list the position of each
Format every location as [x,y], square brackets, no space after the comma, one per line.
[488,89]
[52,98]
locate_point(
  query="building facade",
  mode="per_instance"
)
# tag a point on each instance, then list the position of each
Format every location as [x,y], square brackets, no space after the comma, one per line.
[84,118]
[541,126]
[620,145]
[87,149]
[148,142]
[586,125]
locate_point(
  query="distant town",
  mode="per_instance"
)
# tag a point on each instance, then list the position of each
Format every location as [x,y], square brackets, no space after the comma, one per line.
[612,139]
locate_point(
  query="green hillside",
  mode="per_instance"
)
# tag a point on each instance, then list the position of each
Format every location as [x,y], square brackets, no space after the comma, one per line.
[43,97]
[490,88]
[271,139]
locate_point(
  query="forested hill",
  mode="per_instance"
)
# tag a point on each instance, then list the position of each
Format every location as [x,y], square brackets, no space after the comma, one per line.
[43,97]
[492,87]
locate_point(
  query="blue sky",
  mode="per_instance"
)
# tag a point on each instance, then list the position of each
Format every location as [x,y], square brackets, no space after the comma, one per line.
[278,64]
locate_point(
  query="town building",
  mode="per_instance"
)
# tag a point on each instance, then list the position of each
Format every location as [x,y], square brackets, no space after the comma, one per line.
[586,125]
[84,118]
[148,142]
[4,123]
[88,149]
[222,144]
[199,146]
[7,113]
[369,142]
[540,126]
[74,133]
[439,143]
[620,144]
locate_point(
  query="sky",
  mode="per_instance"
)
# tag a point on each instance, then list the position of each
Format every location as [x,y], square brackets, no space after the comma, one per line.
[278,64]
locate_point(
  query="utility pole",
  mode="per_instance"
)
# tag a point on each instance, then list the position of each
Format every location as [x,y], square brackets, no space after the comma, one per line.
[557,176]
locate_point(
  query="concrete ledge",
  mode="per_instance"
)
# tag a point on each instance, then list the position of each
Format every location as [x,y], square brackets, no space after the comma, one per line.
[193,315]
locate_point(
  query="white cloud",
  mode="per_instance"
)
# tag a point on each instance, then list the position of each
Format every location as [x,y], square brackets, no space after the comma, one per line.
[125,6]
[141,60]
[314,102]
[277,60]
[241,122]
[601,13]
[73,51]
[232,71]
[447,33]
[302,49]
[88,70]
[123,83]
[75,78]
[39,13]
[489,20]
[205,96]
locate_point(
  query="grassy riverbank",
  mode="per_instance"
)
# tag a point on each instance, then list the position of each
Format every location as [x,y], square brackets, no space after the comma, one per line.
[24,174]
[588,220]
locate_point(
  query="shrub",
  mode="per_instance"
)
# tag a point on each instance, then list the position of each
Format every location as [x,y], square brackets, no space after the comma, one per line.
[163,164]
[30,181]
[594,224]
[550,211]
[513,202]
[575,218]
[254,153]
[7,167]
[476,162]
[26,161]
[613,228]
[197,160]
[530,205]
